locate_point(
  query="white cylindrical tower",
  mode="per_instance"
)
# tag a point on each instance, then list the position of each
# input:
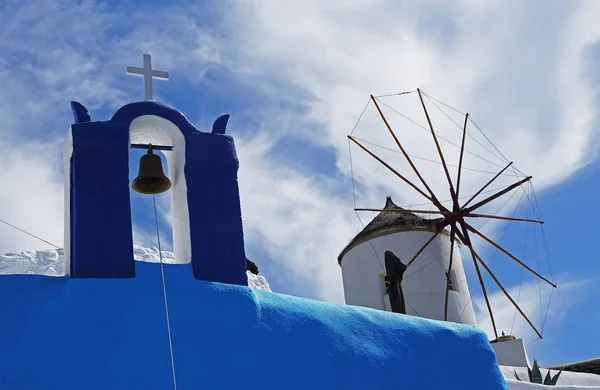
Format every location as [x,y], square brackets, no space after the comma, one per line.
[424,282]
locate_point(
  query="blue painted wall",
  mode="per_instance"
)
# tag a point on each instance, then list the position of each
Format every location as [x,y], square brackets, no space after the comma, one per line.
[61,333]
[100,203]
[100,207]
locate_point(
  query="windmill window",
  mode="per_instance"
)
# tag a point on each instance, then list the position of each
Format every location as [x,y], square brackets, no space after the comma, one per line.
[451,277]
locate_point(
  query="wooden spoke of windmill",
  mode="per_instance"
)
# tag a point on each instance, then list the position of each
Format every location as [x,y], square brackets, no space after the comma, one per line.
[455,218]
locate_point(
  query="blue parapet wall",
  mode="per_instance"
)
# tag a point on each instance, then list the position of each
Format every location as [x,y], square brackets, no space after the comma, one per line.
[65,333]
[100,203]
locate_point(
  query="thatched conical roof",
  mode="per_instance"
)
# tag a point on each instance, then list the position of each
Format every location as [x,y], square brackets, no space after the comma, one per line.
[387,223]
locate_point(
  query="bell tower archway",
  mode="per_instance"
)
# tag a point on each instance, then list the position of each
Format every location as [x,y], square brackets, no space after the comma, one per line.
[205,205]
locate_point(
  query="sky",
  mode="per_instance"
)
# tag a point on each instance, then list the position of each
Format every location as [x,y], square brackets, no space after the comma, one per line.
[295,77]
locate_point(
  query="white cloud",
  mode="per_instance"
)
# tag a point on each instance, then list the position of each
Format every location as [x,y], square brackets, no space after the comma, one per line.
[54,52]
[30,196]
[522,76]
[144,238]
[299,221]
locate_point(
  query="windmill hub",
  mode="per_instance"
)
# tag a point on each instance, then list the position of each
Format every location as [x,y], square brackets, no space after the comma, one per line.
[454,216]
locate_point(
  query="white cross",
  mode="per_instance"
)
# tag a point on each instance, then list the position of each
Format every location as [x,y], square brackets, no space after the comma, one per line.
[148,74]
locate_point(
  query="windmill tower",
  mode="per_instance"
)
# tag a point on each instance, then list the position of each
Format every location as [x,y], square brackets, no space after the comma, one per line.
[405,263]
[365,276]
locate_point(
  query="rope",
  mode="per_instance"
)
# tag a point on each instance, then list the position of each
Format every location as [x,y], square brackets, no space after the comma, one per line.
[472,290]
[475,124]
[501,207]
[411,306]
[461,127]
[438,136]
[450,200]
[422,268]
[534,340]
[354,196]
[361,115]
[545,239]
[549,262]
[490,141]
[30,234]
[371,243]
[537,215]
[447,105]
[537,259]
[164,286]
[522,272]
[383,267]
[352,173]
[536,210]
[547,310]
[432,99]
[396,94]
[427,159]
[363,226]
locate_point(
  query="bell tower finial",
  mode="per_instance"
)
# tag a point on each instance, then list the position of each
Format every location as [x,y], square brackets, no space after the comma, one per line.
[148,74]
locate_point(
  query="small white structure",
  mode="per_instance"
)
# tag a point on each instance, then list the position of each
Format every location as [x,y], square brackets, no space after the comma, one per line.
[510,351]
[424,282]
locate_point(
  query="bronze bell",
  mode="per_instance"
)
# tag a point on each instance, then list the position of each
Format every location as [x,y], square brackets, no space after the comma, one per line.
[151,178]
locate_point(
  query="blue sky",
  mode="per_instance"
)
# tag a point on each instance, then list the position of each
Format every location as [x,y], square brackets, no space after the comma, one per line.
[295,76]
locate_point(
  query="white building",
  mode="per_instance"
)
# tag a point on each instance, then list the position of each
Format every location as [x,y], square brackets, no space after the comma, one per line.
[424,282]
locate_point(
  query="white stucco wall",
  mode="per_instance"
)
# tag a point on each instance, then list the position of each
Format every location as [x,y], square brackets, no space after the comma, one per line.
[67,153]
[511,353]
[565,381]
[516,385]
[159,131]
[424,283]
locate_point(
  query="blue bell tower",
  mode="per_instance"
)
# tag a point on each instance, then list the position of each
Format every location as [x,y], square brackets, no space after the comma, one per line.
[205,203]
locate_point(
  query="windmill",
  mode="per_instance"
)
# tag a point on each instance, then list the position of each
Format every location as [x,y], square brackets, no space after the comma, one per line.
[458,216]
